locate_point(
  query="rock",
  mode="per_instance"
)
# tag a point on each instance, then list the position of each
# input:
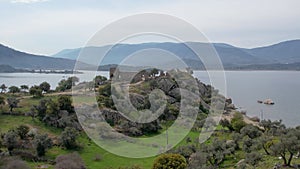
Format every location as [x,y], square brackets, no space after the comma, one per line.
[92,126]
[175,93]
[202,89]
[166,84]
[241,162]
[244,112]
[230,106]
[171,100]
[229,100]
[255,119]
[32,132]
[43,166]
[228,142]
[137,100]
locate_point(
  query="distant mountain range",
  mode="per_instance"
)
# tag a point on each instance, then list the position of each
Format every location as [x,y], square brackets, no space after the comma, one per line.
[22,60]
[281,56]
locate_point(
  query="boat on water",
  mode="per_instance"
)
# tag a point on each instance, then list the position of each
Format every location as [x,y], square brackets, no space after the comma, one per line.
[267,101]
[259,101]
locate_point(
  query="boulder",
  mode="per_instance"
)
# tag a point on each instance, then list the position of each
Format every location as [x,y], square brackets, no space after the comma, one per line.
[137,100]
[255,119]
[229,100]
[166,84]
[241,162]
[230,106]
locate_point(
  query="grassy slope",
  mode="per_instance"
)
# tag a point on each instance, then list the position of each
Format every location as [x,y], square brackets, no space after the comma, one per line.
[91,150]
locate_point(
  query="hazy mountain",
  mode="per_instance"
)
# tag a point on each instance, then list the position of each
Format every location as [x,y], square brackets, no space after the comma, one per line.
[228,54]
[272,57]
[22,60]
[284,52]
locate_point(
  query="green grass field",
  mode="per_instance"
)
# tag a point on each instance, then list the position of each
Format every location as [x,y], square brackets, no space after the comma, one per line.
[90,151]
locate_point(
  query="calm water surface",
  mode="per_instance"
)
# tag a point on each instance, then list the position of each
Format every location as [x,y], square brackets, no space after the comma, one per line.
[246,87]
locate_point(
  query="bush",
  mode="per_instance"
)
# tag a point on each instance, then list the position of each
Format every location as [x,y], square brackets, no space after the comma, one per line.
[97,157]
[69,161]
[170,161]
[68,138]
[10,140]
[237,122]
[45,86]
[12,103]
[42,143]
[36,91]
[251,131]
[22,131]
[253,158]
[12,163]
[65,103]
[14,89]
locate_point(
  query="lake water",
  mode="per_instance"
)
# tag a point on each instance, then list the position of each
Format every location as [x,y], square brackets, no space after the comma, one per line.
[30,79]
[244,87]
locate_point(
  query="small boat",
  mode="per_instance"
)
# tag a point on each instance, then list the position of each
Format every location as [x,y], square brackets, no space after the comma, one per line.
[259,101]
[269,102]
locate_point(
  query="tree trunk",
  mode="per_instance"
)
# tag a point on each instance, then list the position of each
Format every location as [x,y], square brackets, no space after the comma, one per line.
[266,150]
[284,160]
[290,159]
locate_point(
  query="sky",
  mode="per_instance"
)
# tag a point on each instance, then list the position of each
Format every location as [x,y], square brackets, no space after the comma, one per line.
[49,26]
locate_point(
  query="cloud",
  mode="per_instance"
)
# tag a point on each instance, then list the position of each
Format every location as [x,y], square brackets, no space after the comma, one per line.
[27,1]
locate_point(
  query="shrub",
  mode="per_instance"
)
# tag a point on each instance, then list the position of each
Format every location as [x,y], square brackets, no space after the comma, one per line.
[251,131]
[10,140]
[97,157]
[13,163]
[36,91]
[22,131]
[12,103]
[68,138]
[237,122]
[65,103]
[45,86]
[14,89]
[253,158]
[170,161]
[42,143]
[69,161]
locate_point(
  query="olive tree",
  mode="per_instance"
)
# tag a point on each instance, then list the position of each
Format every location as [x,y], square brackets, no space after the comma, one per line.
[10,140]
[253,158]
[287,146]
[68,138]
[217,151]
[36,91]
[13,89]
[42,142]
[45,86]
[3,88]
[24,88]
[12,103]
[22,131]
[251,131]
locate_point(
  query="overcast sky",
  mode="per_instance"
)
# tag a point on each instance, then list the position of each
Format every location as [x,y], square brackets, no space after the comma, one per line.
[48,26]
